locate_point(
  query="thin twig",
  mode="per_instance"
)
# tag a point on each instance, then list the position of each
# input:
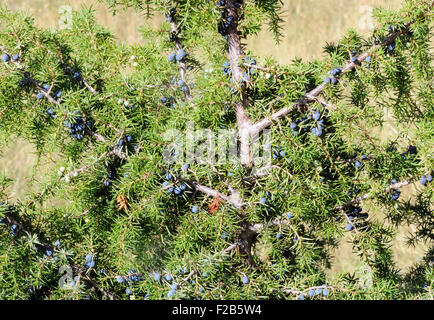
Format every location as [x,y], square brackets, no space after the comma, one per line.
[313,94]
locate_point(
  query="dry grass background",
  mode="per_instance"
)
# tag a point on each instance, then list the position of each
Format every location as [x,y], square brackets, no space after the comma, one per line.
[309,24]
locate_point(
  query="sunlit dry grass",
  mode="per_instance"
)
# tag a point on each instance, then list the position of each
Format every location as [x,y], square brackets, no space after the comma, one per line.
[309,24]
[16,162]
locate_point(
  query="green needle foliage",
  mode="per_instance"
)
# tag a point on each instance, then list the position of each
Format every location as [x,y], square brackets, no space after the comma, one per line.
[113,220]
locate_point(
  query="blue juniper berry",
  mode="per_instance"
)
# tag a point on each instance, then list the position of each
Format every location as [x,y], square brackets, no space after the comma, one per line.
[396,194]
[5,57]
[423,181]
[180,55]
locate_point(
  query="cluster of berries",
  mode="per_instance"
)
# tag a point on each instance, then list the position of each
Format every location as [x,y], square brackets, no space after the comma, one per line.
[227,69]
[412,150]
[111,168]
[77,126]
[355,60]
[334,76]
[225,23]
[177,56]
[133,276]
[172,37]
[176,189]
[47,249]
[181,83]
[246,74]
[169,102]
[278,152]
[425,179]
[27,81]
[45,88]
[396,194]
[379,39]
[391,47]
[51,111]
[89,262]
[228,72]
[173,286]
[74,74]
[123,145]
[304,124]
[6,58]
[14,227]
[353,191]
[251,70]
[125,142]
[318,291]
[353,213]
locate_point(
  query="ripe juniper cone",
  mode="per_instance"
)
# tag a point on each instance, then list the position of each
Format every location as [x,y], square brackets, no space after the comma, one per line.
[180,55]
[5,57]
[207,229]
[172,56]
[77,126]
[396,194]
